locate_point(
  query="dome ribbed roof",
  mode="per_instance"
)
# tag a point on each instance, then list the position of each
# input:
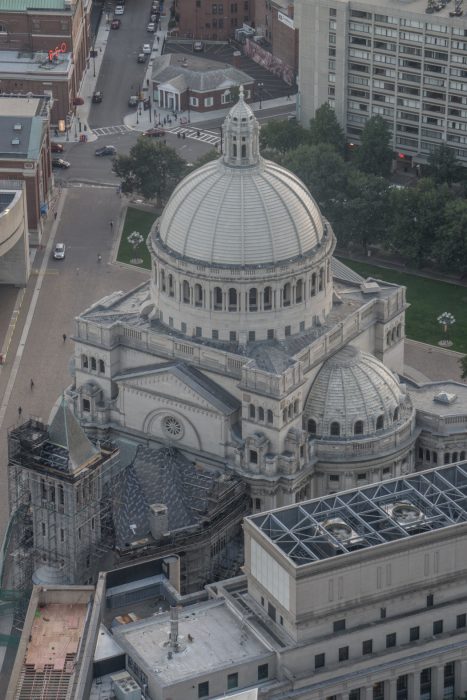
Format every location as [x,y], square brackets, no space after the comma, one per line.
[352,385]
[225,215]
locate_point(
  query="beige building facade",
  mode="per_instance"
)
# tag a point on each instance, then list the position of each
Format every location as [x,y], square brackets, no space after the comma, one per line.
[399,62]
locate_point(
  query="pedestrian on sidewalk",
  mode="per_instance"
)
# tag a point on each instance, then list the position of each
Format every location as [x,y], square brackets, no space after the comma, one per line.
[55,215]
[64,337]
[111,224]
[31,384]
[20,411]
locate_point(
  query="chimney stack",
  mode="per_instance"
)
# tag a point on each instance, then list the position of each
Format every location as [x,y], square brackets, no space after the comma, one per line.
[174,627]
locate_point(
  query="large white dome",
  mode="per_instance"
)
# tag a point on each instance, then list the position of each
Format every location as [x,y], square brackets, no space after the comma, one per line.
[226,215]
[241,209]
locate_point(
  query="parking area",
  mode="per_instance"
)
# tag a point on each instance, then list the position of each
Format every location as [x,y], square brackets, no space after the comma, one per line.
[272,86]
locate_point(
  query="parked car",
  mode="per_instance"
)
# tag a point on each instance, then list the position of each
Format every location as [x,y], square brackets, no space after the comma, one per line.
[106,151]
[146,48]
[154,132]
[119,10]
[141,58]
[151,27]
[115,24]
[133,101]
[59,251]
[198,46]
[60,163]
[56,147]
[97,96]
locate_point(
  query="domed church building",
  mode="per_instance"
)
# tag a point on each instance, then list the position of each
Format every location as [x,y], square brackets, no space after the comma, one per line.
[251,350]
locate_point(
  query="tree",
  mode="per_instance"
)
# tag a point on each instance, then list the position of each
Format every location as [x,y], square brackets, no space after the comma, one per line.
[322,170]
[443,165]
[205,158]
[417,213]
[375,154]
[152,170]
[324,128]
[362,214]
[451,243]
[463,364]
[282,135]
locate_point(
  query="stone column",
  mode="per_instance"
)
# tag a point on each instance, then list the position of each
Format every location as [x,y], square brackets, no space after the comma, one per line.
[413,685]
[366,693]
[460,677]
[437,681]
[390,689]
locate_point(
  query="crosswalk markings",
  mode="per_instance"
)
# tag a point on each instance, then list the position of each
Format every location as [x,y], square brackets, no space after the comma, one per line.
[107,130]
[206,136]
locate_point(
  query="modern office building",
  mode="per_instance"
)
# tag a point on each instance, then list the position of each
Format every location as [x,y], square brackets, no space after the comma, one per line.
[404,61]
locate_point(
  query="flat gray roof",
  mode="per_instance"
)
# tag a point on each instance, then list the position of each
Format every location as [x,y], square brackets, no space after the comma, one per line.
[363,518]
[423,398]
[217,639]
[398,8]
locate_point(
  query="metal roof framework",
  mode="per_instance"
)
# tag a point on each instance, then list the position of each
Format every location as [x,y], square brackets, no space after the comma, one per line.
[363,518]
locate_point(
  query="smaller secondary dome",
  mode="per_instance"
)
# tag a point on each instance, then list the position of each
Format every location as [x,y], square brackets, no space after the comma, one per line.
[353,395]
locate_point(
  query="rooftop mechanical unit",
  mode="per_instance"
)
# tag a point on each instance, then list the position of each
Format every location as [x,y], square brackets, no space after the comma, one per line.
[407,515]
[342,532]
[125,687]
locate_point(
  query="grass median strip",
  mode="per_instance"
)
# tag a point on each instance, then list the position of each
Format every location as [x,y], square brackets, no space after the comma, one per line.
[140,221]
[428,299]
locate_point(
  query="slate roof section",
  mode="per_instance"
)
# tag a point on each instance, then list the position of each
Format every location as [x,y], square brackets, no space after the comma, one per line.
[344,273]
[159,476]
[66,432]
[198,74]
[195,379]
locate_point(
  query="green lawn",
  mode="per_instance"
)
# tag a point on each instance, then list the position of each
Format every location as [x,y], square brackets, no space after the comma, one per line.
[428,299]
[141,221]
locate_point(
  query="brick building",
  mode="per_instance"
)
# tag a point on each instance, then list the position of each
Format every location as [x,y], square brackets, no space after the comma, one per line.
[203,19]
[274,23]
[25,153]
[44,45]
[191,83]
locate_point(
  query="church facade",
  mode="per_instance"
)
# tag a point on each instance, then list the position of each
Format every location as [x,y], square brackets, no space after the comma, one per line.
[252,350]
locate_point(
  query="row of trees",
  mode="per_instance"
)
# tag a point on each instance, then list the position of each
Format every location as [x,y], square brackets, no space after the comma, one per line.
[425,224]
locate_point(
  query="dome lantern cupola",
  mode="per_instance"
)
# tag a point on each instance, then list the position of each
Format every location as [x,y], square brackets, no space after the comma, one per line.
[241,135]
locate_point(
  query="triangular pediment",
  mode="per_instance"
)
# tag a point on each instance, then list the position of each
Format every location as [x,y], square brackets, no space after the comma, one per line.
[181,382]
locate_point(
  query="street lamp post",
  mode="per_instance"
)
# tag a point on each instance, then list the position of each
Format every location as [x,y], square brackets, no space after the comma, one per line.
[260,93]
[446,320]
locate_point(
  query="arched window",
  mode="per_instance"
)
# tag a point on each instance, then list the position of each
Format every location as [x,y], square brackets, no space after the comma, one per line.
[185,292]
[171,286]
[284,415]
[313,285]
[380,422]
[447,458]
[260,413]
[286,294]
[84,361]
[290,410]
[335,429]
[198,295]
[155,275]
[396,413]
[252,411]
[388,338]
[93,363]
[358,427]
[267,298]
[253,300]
[399,330]
[462,456]
[321,279]
[217,299]
[235,150]
[296,406]
[393,334]
[299,291]
[243,150]
[163,280]
[454,456]
[102,366]
[270,416]
[312,426]
[233,299]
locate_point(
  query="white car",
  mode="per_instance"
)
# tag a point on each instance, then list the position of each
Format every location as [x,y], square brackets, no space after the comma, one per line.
[59,251]
[119,10]
[146,48]
[151,27]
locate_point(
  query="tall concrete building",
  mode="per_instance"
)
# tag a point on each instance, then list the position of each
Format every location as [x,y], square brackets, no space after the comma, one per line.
[403,61]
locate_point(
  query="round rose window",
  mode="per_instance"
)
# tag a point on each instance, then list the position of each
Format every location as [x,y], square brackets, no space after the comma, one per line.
[172,427]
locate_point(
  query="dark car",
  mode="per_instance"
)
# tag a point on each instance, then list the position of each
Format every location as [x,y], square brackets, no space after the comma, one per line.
[106,151]
[154,132]
[97,96]
[115,24]
[133,101]
[60,163]
[56,147]
[141,58]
